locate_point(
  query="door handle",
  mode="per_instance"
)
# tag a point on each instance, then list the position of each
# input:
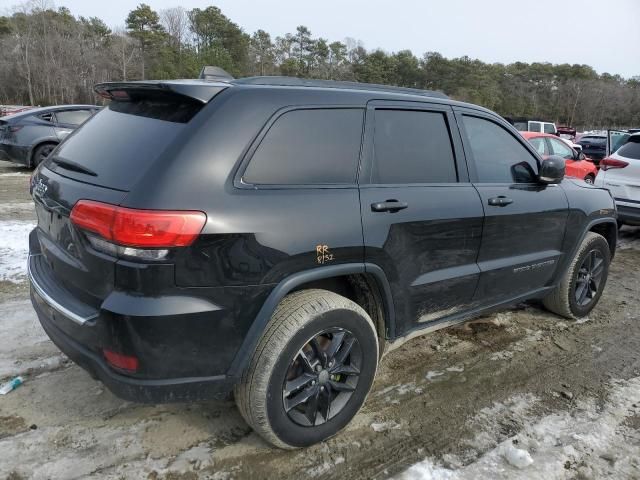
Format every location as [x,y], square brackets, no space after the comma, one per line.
[500,201]
[388,206]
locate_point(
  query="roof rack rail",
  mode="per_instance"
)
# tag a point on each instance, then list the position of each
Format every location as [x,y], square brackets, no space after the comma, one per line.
[209,72]
[305,82]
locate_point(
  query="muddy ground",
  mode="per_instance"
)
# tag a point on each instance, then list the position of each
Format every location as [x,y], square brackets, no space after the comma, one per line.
[455,404]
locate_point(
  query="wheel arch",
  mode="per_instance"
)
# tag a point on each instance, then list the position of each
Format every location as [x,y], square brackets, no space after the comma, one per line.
[34,147]
[362,277]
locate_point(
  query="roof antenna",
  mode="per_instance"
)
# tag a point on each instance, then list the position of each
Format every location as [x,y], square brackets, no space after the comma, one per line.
[214,73]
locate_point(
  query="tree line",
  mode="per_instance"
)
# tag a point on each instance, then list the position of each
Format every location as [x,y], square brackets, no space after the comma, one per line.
[49,56]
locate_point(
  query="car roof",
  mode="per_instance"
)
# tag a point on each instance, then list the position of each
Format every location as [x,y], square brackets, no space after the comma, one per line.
[54,108]
[204,90]
[529,135]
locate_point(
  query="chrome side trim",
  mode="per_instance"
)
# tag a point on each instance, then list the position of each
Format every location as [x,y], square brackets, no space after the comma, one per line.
[51,302]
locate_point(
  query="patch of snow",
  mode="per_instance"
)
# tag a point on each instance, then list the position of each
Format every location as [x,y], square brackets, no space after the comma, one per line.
[457,369]
[384,426]
[433,374]
[590,441]
[15,174]
[582,320]
[516,456]
[501,355]
[14,250]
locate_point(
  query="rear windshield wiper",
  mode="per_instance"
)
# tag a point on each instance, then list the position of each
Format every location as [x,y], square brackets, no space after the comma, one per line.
[73,166]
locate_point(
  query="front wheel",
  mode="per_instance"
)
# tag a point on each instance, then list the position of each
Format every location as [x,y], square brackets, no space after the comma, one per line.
[581,286]
[589,179]
[311,371]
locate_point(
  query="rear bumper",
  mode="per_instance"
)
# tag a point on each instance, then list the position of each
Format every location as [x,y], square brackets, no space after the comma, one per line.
[628,215]
[129,388]
[81,332]
[14,153]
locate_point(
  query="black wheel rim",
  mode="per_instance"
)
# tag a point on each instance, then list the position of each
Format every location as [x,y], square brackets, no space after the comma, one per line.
[589,278]
[322,377]
[44,153]
[589,180]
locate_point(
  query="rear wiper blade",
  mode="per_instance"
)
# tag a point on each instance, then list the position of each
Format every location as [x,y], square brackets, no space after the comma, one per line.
[76,167]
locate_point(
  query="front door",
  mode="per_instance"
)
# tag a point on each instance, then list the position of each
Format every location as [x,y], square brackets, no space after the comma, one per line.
[421,217]
[524,220]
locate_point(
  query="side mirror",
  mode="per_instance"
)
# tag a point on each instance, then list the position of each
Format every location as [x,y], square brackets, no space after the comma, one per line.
[552,170]
[581,156]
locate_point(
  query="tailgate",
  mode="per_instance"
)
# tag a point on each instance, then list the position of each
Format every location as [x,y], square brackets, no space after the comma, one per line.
[87,274]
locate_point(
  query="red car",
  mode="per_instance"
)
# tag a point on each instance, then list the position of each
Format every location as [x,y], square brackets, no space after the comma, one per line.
[577,164]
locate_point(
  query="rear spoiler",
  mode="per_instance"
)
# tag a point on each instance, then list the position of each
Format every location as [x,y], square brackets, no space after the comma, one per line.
[202,91]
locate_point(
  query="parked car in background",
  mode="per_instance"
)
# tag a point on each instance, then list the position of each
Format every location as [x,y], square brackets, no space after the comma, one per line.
[594,146]
[526,125]
[577,164]
[11,109]
[620,173]
[28,137]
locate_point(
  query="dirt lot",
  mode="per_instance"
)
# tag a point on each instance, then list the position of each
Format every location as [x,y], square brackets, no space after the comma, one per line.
[519,394]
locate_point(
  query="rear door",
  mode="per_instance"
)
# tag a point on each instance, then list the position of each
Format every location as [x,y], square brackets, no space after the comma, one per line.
[421,217]
[524,220]
[615,140]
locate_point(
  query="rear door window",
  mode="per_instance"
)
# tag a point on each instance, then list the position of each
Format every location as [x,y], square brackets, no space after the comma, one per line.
[558,147]
[498,156]
[412,146]
[539,144]
[549,128]
[309,147]
[72,117]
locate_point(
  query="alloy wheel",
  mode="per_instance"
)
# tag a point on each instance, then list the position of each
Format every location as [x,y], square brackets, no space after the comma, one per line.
[322,377]
[589,278]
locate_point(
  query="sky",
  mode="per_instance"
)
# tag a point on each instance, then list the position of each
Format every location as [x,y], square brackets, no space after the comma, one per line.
[604,34]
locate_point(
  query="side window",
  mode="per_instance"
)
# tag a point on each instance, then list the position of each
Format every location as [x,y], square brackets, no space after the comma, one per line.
[47,117]
[73,117]
[305,147]
[499,157]
[549,128]
[558,147]
[535,127]
[539,144]
[412,146]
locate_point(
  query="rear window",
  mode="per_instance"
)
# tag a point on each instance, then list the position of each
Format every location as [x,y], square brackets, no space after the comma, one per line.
[306,147]
[631,149]
[549,128]
[124,139]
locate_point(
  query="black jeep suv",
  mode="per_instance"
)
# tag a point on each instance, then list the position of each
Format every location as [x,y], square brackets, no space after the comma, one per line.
[274,236]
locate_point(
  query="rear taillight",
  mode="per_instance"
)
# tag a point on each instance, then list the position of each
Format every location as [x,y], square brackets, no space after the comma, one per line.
[15,128]
[610,163]
[129,227]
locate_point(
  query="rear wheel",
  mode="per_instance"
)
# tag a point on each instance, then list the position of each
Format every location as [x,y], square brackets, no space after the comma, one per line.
[41,153]
[589,179]
[581,286]
[311,371]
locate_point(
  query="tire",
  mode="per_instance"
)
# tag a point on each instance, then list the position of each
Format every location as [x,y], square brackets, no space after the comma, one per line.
[41,153]
[302,321]
[565,300]
[589,179]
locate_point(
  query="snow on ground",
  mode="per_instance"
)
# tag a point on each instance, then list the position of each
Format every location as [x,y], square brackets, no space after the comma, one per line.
[24,348]
[15,174]
[14,249]
[590,441]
